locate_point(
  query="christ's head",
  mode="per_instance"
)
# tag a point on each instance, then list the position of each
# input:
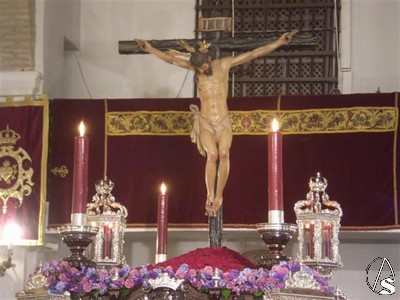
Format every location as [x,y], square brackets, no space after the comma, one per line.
[201,62]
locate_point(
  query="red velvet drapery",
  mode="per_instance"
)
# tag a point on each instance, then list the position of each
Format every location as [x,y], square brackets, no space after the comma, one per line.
[23,159]
[350,139]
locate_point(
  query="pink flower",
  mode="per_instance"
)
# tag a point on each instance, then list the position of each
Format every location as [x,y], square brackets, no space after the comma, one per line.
[134,273]
[113,271]
[230,285]
[87,287]
[271,280]
[207,271]
[129,283]
[74,271]
[63,277]
[180,273]
[63,264]
[262,280]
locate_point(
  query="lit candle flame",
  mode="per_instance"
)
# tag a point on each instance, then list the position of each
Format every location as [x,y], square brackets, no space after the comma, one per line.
[163,189]
[275,125]
[82,129]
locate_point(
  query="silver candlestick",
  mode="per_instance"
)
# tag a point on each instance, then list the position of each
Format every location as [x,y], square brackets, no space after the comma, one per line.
[77,238]
[275,236]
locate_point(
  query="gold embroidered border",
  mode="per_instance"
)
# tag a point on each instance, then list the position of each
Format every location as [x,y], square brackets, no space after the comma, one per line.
[258,122]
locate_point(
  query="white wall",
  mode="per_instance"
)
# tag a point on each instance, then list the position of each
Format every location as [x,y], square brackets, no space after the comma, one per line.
[358,250]
[375,45]
[110,75]
[61,21]
[370,47]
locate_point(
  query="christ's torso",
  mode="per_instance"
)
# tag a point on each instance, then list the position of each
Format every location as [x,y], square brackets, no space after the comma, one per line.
[213,92]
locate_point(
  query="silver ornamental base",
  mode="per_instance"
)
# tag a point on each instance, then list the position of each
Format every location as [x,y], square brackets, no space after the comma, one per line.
[77,238]
[275,236]
[300,294]
[326,268]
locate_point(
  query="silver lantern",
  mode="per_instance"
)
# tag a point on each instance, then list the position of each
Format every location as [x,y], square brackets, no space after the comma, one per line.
[318,221]
[110,217]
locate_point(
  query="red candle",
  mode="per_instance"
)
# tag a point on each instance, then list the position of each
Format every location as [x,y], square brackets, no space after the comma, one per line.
[327,240]
[275,185]
[311,241]
[107,240]
[162,224]
[81,159]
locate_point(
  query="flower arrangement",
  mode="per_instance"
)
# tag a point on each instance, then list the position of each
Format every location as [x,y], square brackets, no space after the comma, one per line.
[62,278]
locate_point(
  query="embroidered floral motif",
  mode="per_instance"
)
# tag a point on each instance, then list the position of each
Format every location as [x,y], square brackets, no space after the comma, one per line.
[258,122]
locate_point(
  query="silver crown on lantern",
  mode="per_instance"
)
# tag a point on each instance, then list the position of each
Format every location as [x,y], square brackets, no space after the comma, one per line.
[318,220]
[110,217]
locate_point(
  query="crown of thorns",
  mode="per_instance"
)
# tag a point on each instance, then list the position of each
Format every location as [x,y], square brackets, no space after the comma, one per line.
[203,48]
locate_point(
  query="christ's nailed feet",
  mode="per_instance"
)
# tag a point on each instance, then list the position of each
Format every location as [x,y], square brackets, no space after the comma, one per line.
[212,207]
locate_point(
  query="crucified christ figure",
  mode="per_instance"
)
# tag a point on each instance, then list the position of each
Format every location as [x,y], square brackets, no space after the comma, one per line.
[212,125]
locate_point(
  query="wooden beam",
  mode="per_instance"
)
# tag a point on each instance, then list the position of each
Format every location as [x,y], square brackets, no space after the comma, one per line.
[224,44]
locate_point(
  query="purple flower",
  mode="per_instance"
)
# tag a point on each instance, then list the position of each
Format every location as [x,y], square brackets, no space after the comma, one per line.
[233,274]
[91,273]
[103,275]
[155,273]
[102,288]
[124,271]
[60,286]
[143,271]
[207,272]
[293,266]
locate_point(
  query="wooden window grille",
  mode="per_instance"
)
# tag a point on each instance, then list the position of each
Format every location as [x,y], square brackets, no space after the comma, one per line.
[303,71]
